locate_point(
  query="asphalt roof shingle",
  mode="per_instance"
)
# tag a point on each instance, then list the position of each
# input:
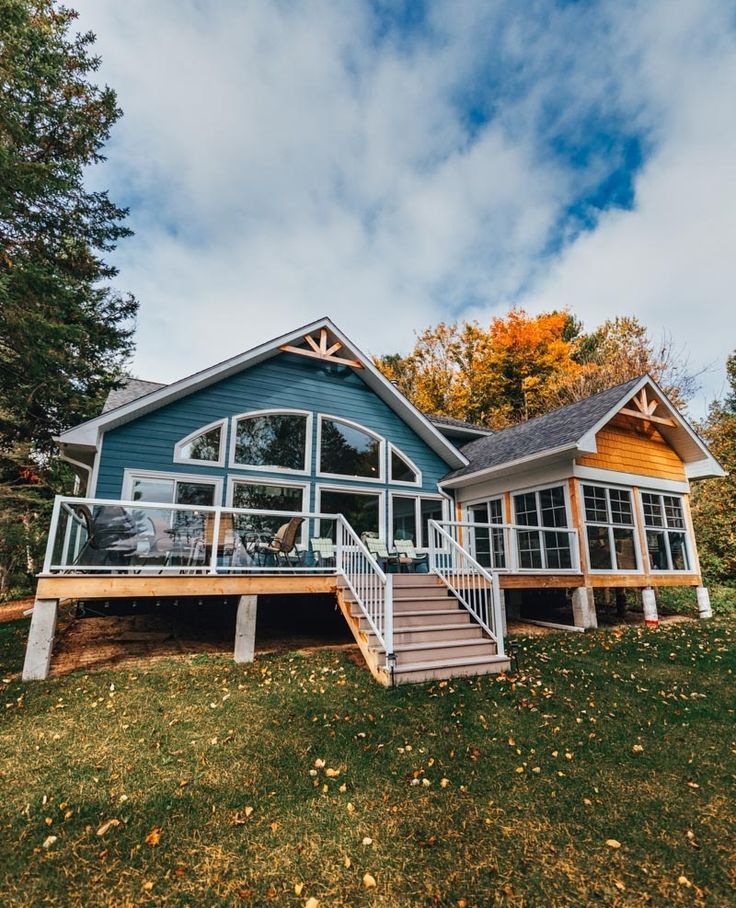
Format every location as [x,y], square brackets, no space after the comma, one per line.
[543,433]
[450,422]
[130,391]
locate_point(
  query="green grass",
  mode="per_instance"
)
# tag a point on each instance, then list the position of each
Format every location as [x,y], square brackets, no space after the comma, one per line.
[626,735]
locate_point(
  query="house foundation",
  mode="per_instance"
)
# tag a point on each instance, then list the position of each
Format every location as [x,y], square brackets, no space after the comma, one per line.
[583,607]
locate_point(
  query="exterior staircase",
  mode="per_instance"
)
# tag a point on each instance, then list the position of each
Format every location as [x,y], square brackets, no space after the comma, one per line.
[435,637]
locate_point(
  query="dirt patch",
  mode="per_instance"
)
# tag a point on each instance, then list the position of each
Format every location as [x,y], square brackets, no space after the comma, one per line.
[12,611]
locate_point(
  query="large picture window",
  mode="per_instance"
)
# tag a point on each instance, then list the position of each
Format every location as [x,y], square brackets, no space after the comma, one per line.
[410,516]
[267,496]
[666,532]
[541,549]
[609,526]
[272,441]
[362,510]
[349,450]
[401,469]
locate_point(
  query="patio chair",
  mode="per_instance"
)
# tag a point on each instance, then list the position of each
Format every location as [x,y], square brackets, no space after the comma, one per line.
[409,555]
[111,536]
[282,544]
[377,547]
[324,549]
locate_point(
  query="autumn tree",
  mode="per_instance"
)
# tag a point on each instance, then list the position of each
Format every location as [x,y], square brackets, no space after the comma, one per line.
[64,333]
[714,500]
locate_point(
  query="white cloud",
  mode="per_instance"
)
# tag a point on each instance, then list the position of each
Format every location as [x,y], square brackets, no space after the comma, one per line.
[281,162]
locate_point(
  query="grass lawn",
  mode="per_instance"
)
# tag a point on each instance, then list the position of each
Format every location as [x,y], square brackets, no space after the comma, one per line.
[602,773]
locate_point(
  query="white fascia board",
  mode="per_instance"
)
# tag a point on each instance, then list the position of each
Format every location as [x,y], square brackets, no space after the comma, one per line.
[617,478]
[511,466]
[88,433]
[708,468]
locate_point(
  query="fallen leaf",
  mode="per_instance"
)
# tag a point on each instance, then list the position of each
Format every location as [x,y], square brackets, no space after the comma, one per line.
[298,888]
[274,826]
[367,840]
[49,841]
[444,783]
[148,886]
[332,773]
[107,826]
[613,843]
[311,902]
[369,881]
[346,861]
[319,763]
[154,836]
[684,881]
[638,749]
[619,885]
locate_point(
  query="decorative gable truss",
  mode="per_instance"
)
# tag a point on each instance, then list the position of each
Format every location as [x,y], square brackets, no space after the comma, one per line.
[324,348]
[646,409]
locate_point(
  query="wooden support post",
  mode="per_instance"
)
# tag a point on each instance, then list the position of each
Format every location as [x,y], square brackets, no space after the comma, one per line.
[704,609]
[40,640]
[620,604]
[649,601]
[583,607]
[245,628]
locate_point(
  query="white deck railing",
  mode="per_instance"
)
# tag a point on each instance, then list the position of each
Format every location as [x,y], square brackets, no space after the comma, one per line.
[515,548]
[104,536]
[474,586]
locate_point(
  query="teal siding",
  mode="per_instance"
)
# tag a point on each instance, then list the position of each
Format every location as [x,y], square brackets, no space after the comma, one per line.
[285,381]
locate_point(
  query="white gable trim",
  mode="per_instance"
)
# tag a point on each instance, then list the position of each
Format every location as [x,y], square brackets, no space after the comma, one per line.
[87,433]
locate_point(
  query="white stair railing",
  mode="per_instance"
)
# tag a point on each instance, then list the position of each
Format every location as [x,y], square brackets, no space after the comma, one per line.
[474,586]
[369,584]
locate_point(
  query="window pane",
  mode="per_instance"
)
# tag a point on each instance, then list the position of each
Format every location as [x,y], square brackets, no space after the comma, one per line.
[525,509]
[557,550]
[625,549]
[552,504]
[621,512]
[429,509]
[481,539]
[405,518]
[673,512]
[154,490]
[400,469]
[530,550]
[652,510]
[275,440]
[495,511]
[204,447]
[267,497]
[678,550]
[657,548]
[348,451]
[599,549]
[360,510]
[195,493]
[595,504]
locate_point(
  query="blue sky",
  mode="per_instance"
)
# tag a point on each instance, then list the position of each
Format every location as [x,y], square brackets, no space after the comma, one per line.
[394,164]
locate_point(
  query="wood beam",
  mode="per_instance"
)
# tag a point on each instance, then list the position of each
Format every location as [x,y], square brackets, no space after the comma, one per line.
[647,417]
[300,351]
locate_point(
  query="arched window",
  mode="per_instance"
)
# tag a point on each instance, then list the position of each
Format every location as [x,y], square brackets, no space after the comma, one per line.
[205,446]
[401,469]
[349,449]
[276,440]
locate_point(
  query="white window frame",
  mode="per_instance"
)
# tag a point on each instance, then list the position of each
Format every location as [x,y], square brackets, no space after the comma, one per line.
[686,530]
[568,529]
[130,474]
[358,490]
[274,481]
[220,462]
[421,545]
[634,527]
[393,449]
[287,411]
[381,478]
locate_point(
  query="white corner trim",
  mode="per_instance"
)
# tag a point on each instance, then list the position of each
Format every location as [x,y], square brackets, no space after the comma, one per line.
[220,462]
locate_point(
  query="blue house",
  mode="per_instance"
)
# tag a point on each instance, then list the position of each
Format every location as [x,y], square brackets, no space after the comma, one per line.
[297,467]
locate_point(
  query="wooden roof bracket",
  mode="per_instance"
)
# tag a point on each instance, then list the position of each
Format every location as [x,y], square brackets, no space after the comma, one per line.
[319,349]
[646,410]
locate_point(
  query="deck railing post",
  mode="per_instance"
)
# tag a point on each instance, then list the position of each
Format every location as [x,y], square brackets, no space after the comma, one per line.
[432,548]
[498,604]
[215,541]
[388,619]
[339,544]
[48,557]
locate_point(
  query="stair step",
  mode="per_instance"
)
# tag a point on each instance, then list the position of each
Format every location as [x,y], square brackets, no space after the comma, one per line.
[416,672]
[441,651]
[437,634]
[455,617]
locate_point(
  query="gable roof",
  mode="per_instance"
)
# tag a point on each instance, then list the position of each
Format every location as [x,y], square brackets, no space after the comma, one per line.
[86,435]
[572,429]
